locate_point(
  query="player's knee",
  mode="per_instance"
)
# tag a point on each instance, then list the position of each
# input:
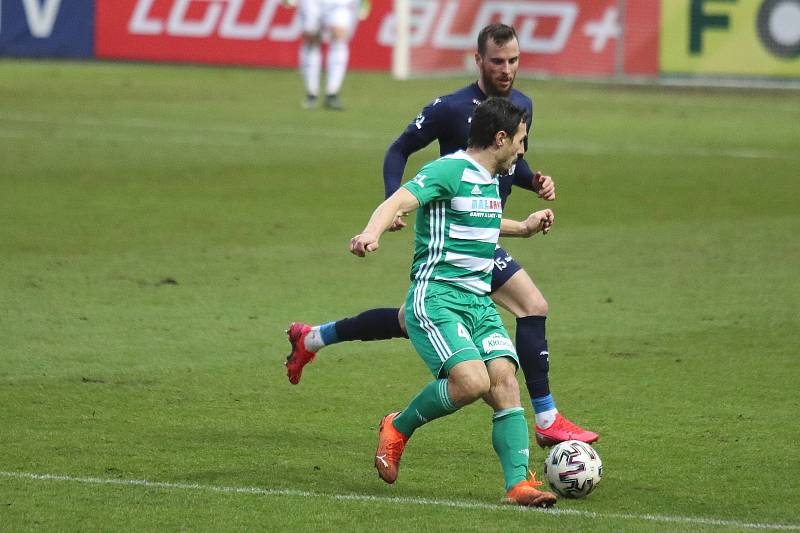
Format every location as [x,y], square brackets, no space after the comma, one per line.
[475,386]
[504,378]
[339,34]
[504,391]
[469,386]
[534,305]
[507,383]
[312,38]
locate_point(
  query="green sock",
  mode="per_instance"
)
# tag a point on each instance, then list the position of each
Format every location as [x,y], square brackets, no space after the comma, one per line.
[510,441]
[432,402]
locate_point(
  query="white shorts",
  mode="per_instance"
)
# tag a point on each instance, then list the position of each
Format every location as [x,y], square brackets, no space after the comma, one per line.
[319,15]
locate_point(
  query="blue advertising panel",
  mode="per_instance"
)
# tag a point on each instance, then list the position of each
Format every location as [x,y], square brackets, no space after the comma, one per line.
[47,28]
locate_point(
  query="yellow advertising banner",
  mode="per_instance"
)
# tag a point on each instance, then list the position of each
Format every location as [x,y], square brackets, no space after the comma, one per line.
[730,37]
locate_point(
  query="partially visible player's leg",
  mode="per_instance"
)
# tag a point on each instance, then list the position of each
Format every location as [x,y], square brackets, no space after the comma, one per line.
[310,60]
[435,327]
[510,437]
[515,291]
[338,57]
[371,325]
[341,22]
[519,295]
[466,382]
[509,428]
[306,340]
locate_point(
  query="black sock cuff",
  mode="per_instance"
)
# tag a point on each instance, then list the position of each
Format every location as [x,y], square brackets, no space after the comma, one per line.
[533,320]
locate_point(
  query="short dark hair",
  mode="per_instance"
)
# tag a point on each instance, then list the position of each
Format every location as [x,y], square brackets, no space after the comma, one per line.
[499,32]
[493,115]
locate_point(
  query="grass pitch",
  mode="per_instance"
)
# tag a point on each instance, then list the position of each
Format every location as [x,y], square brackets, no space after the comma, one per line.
[160,226]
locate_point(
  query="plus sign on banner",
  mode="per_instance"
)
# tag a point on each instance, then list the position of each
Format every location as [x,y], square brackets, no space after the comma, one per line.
[570,37]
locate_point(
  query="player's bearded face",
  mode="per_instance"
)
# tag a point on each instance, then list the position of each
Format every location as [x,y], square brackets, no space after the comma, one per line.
[498,67]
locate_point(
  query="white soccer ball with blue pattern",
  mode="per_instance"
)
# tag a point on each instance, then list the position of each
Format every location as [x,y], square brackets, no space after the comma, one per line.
[573,469]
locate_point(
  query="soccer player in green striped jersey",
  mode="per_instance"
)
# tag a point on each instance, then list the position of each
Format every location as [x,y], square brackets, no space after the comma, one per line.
[450,318]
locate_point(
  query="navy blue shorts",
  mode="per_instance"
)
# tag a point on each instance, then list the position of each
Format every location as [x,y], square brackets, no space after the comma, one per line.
[504,267]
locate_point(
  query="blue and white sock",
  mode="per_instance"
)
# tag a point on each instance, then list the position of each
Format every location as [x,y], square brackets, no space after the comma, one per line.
[321,336]
[544,408]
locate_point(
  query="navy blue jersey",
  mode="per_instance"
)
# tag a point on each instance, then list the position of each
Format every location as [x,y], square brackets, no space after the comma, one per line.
[446,119]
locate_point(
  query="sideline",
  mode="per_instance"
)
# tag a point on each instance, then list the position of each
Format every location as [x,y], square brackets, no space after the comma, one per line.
[397,500]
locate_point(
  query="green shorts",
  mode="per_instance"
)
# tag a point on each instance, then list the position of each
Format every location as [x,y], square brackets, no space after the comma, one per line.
[448,325]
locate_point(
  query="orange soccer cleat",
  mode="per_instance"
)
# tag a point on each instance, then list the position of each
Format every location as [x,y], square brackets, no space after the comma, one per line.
[526,493]
[391,444]
[563,429]
[299,357]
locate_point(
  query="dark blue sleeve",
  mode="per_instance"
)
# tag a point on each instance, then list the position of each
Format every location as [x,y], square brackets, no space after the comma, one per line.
[523,175]
[423,130]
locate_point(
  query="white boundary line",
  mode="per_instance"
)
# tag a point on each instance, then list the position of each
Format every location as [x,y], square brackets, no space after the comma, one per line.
[397,500]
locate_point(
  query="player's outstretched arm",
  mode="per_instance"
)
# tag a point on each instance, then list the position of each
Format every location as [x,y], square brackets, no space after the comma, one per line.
[402,201]
[540,221]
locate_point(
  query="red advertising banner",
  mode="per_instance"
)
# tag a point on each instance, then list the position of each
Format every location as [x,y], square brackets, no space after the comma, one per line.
[642,33]
[562,37]
[577,37]
[236,32]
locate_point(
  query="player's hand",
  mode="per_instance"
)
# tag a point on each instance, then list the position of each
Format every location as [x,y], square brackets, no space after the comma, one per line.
[398,223]
[545,186]
[363,243]
[540,221]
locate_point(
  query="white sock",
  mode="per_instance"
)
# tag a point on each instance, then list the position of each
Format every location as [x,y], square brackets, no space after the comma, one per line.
[544,419]
[313,340]
[310,66]
[338,55]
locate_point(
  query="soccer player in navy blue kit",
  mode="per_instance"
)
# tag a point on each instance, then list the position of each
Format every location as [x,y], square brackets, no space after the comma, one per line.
[446,119]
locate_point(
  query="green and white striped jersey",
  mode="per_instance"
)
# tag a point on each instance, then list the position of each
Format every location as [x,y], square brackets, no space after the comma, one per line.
[458,223]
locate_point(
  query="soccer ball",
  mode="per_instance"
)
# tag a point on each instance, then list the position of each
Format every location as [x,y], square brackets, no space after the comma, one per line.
[573,469]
